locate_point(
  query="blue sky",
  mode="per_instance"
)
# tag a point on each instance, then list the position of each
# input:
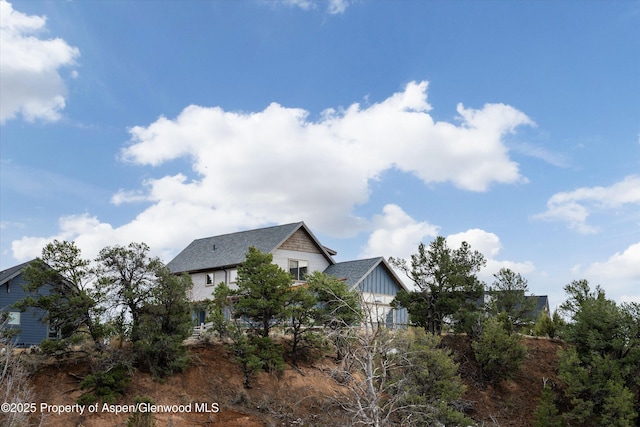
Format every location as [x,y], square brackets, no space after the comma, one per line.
[512,125]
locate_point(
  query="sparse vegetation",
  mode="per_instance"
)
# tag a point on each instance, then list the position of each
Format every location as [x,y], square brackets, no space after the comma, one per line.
[385,377]
[142,419]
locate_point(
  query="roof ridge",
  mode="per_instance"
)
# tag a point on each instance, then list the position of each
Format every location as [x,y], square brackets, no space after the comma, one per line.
[250,230]
[360,260]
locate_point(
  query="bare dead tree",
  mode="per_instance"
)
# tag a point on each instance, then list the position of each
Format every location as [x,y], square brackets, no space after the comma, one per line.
[396,377]
[370,358]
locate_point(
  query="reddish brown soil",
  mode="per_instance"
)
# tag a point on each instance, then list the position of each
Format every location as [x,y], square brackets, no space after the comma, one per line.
[297,396]
[304,396]
[510,403]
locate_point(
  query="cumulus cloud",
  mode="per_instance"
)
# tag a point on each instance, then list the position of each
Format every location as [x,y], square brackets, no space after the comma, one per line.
[274,166]
[574,207]
[489,245]
[623,265]
[396,234]
[618,275]
[30,80]
[280,163]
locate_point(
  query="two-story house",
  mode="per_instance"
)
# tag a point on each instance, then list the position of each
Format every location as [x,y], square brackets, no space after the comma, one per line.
[212,260]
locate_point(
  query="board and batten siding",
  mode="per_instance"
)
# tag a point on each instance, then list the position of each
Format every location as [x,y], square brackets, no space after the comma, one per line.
[378,290]
[379,282]
[32,331]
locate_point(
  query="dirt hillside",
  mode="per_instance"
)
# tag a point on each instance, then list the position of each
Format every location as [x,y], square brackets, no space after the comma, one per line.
[210,392]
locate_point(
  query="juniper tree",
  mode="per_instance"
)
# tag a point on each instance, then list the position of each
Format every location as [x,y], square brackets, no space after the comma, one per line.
[73,306]
[601,368]
[509,300]
[263,289]
[446,282]
[165,323]
[126,276]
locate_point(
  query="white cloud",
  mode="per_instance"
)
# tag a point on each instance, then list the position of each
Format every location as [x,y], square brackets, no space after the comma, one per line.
[623,266]
[574,207]
[30,82]
[302,4]
[619,275]
[489,245]
[396,234]
[277,166]
[334,7]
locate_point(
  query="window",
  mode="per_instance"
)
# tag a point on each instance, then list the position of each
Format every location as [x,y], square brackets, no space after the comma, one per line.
[298,269]
[215,278]
[233,276]
[53,332]
[14,318]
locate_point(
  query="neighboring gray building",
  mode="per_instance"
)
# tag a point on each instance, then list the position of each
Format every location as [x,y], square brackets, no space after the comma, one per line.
[212,260]
[31,329]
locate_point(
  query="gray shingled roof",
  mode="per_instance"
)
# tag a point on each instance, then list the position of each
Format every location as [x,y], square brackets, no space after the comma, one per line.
[542,302]
[352,271]
[230,249]
[12,272]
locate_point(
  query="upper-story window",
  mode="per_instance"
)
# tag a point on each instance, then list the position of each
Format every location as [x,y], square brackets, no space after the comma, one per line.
[298,269]
[215,278]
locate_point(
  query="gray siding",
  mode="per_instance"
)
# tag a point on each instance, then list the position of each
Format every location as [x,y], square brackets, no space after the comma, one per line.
[379,282]
[32,330]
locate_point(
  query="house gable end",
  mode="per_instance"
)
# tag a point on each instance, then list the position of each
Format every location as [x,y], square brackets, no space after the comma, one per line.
[380,280]
[300,241]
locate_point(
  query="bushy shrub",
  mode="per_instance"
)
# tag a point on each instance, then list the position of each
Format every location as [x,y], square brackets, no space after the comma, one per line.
[498,353]
[269,353]
[312,347]
[546,413]
[245,352]
[107,385]
[50,346]
[162,356]
[548,326]
[427,385]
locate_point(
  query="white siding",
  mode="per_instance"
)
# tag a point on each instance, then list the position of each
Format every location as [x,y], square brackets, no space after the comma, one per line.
[317,262]
[201,290]
[378,306]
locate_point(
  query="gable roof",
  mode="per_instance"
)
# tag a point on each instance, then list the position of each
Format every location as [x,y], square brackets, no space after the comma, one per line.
[229,250]
[354,272]
[11,272]
[542,302]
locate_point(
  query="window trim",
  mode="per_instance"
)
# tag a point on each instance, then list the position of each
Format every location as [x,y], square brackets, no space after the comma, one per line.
[299,277]
[14,318]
